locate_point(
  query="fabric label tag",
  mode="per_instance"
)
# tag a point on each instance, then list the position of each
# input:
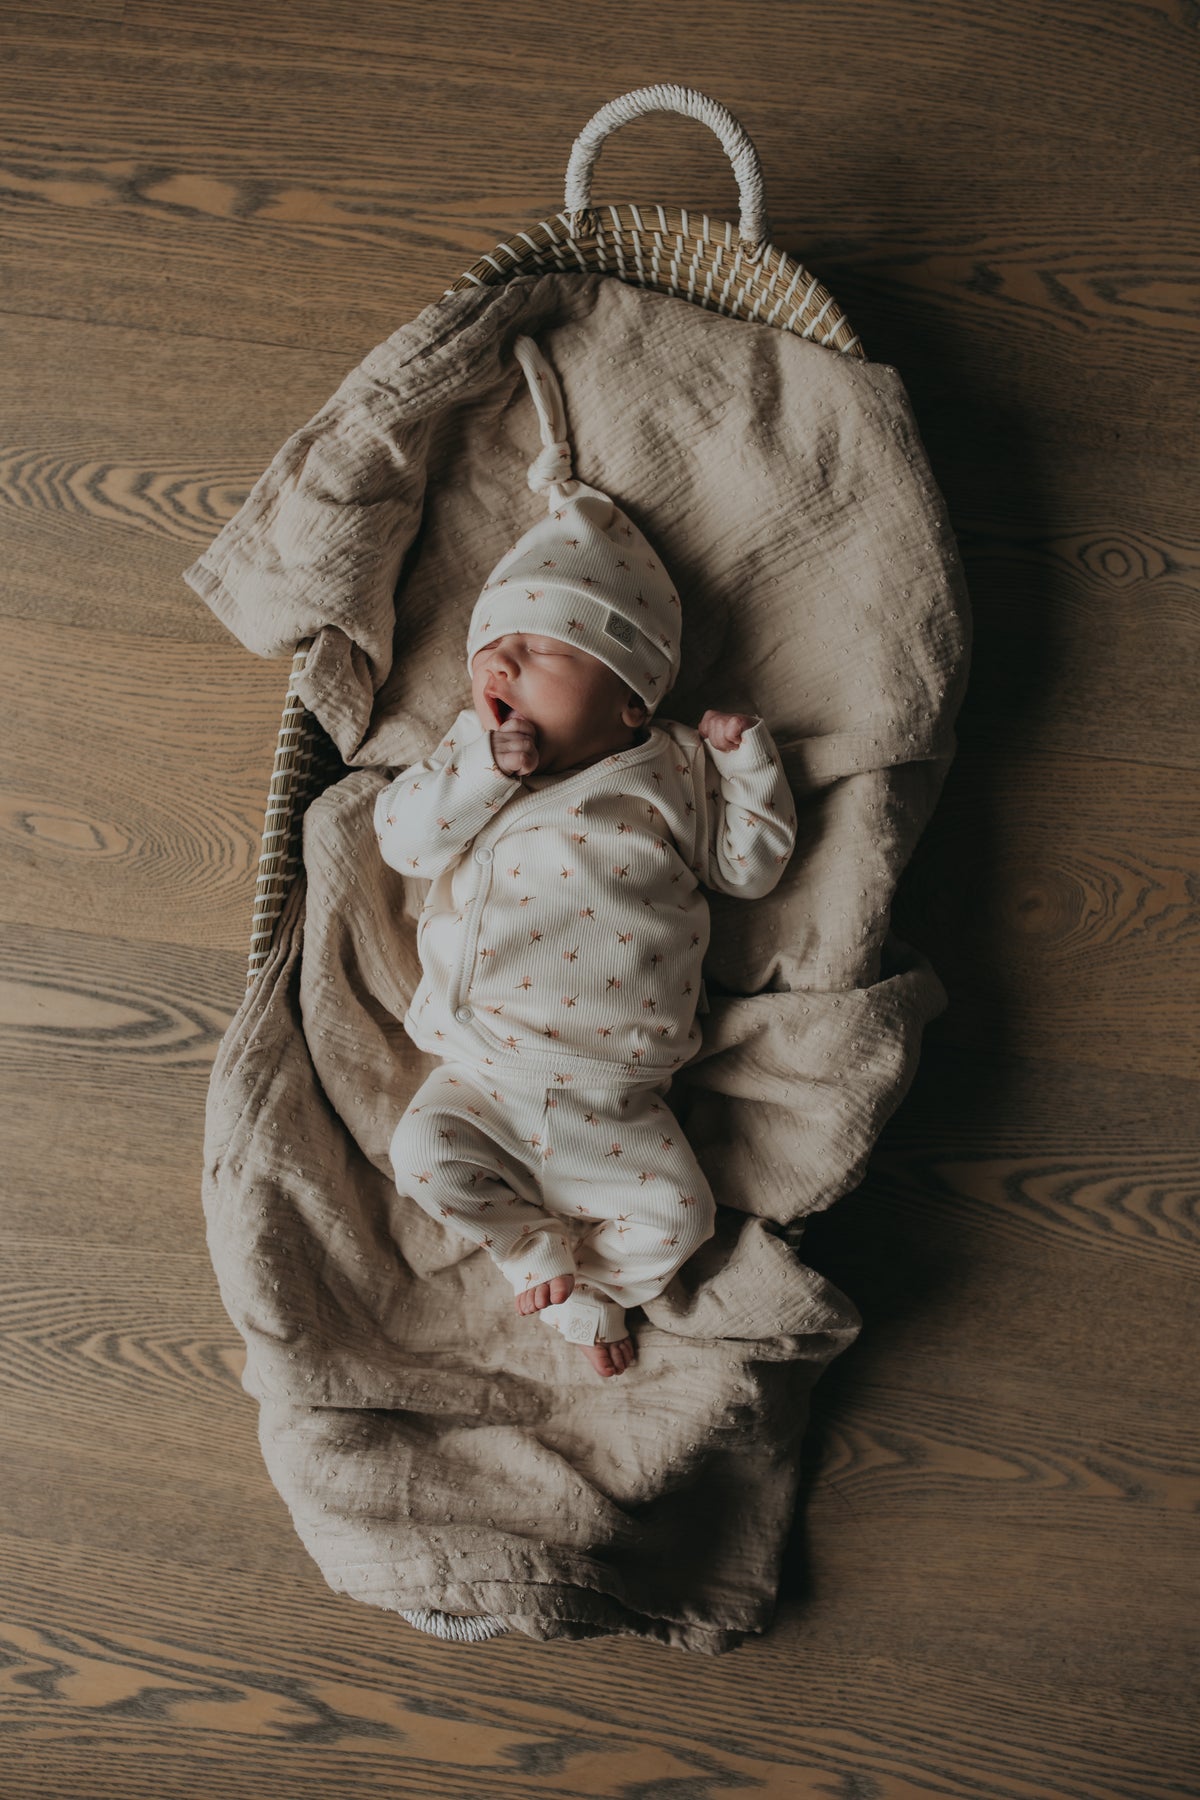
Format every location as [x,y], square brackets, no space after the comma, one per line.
[620,628]
[582,1320]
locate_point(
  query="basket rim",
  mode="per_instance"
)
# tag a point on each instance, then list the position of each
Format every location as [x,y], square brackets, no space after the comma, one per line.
[755,276]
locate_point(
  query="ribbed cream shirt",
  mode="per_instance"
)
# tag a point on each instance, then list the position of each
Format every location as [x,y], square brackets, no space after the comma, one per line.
[563,934]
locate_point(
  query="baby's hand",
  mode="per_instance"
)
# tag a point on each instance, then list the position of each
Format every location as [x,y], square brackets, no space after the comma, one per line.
[724,730]
[514,745]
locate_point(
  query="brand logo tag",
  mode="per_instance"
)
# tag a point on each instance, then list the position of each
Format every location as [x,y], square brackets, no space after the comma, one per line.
[620,628]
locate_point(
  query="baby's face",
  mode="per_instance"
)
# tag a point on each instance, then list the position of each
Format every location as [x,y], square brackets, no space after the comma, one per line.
[580,708]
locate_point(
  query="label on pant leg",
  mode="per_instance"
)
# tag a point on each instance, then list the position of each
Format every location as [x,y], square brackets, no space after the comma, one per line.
[582,1321]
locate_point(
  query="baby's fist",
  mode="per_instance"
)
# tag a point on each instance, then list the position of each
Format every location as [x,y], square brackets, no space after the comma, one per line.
[514,745]
[724,730]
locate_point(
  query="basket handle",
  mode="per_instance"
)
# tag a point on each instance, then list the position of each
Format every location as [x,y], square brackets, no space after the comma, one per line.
[752,224]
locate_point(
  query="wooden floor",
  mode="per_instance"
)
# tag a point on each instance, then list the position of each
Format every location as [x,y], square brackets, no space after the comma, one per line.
[210,213]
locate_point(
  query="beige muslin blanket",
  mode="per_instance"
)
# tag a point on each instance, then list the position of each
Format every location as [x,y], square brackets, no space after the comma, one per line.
[438,1452]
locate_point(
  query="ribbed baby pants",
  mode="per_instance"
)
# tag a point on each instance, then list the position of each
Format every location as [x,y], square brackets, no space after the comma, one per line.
[598,1182]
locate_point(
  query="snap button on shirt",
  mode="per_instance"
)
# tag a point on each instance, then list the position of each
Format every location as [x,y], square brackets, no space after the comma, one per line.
[483,855]
[463,1013]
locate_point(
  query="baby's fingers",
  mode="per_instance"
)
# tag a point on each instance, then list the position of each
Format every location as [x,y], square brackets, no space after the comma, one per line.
[723,736]
[516,746]
[724,730]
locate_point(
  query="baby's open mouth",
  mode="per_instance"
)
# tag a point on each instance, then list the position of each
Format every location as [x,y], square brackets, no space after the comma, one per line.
[500,707]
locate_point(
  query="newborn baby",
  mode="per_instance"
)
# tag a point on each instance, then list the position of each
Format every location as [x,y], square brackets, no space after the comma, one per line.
[566,834]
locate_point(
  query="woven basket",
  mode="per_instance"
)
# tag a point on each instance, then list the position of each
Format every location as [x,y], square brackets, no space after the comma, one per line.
[728,270]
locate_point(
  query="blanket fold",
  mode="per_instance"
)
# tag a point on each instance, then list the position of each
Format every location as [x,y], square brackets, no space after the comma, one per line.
[436,1451]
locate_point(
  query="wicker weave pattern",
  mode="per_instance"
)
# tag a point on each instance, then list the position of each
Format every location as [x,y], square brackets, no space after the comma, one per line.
[662,247]
[305,760]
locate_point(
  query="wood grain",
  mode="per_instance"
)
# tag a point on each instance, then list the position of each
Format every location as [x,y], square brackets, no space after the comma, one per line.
[209,214]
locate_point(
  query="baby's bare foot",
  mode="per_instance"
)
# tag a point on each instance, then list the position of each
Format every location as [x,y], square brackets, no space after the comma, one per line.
[546,1293]
[610,1359]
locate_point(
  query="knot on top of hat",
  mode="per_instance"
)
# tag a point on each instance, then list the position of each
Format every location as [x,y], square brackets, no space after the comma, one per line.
[552,466]
[598,583]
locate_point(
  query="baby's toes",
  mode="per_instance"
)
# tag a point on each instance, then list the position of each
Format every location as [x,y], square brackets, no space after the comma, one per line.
[560,1287]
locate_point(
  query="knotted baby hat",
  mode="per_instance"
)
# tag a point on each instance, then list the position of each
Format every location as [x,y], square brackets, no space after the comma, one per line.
[585,574]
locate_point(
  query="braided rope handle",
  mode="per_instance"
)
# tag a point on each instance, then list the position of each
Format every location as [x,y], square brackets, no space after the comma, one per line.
[752,224]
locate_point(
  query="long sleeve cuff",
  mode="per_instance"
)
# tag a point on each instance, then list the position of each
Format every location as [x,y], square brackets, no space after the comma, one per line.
[478,766]
[755,752]
[751,818]
[429,814]
[545,1253]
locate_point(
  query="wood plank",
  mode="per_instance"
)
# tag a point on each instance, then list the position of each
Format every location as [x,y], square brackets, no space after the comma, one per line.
[106,236]
[1058,904]
[210,214]
[100,523]
[341,1697]
[91,811]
